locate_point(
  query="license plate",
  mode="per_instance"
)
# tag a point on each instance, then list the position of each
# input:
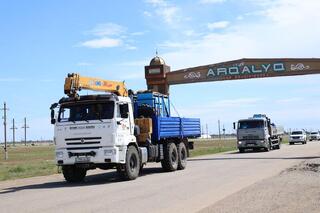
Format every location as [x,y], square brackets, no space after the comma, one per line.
[250,144]
[82,159]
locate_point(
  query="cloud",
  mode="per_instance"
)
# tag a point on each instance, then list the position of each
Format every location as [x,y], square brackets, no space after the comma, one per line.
[289,100]
[212,1]
[167,12]
[109,35]
[147,13]
[103,42]
[107,29]
[157,3]
[139,33]
[84,64]
[218,25]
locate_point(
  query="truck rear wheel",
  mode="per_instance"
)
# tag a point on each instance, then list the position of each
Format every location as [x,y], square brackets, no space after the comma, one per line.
[130,170]
[73,174]
[170,161]
[182,154]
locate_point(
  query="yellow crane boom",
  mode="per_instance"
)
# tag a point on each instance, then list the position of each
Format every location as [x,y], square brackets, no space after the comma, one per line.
[74,83]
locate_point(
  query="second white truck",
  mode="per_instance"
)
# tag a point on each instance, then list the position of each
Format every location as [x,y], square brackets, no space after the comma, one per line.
[258,133]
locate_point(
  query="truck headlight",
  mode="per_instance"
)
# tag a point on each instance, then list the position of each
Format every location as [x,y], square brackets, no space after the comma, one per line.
[59,154]
[239,142]
[109,152]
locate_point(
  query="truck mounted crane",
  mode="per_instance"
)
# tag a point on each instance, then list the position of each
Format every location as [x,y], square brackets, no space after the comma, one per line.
[115,130]
[74,82]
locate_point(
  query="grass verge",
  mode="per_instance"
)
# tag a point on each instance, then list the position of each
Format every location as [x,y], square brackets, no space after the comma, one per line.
[27,161]
[210,146]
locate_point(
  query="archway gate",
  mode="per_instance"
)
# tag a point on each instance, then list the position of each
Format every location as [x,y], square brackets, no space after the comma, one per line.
[159,76]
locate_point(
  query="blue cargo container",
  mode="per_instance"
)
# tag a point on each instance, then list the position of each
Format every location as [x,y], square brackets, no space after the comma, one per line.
[175,127]
[157,106]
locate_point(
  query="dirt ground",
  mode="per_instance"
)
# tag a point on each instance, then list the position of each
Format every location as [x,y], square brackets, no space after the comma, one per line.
[295,190]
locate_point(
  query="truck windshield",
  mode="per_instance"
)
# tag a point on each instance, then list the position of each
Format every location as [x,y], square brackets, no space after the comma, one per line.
[314,133]
[296,133]
[86,112]
[251,124]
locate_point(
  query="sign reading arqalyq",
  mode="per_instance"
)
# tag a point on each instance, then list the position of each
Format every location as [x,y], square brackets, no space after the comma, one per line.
[245,69]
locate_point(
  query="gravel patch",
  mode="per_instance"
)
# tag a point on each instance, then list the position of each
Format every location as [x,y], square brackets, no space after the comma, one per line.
[294,190]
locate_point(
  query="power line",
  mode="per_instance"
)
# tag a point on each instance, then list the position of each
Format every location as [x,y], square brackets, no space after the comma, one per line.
[5,109]
[25,127]
[13,132]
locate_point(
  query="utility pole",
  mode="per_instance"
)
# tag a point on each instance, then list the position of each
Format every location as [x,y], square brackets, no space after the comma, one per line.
[25,127]
[219,129]
[5,109]
[224,132]
[207,130]
[13,132]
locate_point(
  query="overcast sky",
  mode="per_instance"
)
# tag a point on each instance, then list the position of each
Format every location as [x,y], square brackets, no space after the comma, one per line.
[43,40]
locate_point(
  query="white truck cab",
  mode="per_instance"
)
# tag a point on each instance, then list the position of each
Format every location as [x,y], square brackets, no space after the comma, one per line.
[94,131]
[257,133]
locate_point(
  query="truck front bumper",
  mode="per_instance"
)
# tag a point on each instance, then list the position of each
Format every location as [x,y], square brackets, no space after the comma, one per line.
[247,144]
[69,156]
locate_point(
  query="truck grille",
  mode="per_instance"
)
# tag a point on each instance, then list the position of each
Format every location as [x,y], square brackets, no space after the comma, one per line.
[83,141]
[251,137]
[296,137]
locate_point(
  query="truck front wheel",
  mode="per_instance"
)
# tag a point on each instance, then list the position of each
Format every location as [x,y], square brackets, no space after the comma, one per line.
[268,148]
[182,154]
[170,161]
[73,174]
[130,170]
[241,150]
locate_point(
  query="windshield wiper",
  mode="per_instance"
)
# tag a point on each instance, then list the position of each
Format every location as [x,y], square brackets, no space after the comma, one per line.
[100,118]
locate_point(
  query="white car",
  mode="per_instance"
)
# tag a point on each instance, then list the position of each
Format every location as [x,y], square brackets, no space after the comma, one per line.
[314,136]
[298,137]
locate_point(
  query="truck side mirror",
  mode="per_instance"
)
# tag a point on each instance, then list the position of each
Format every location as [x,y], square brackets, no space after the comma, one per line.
[53,120]
[52,107]
[234,125]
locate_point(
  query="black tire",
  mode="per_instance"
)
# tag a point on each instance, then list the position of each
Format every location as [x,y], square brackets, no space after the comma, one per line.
[73,174]
[278,146]
[268,148]
[170,161]
[141,168]
[130,170]
[241,150]
[182,156]
[291,143]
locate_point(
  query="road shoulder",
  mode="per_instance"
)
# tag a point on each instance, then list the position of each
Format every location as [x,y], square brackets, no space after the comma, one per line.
[296,189]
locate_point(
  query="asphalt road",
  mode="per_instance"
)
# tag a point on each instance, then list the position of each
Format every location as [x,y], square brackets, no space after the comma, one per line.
[206,180]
